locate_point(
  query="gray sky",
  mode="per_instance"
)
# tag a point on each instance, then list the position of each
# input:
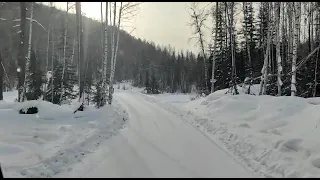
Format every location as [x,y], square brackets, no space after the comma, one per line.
[163,23]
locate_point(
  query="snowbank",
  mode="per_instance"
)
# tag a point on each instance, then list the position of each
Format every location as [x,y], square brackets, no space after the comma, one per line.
[274,136]
[51,141]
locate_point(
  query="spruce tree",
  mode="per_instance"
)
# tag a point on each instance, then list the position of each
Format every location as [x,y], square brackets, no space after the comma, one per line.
[34,78]
[69,81]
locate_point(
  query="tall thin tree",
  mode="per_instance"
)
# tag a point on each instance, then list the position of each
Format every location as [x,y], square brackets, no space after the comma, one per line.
[21,57]
[297,8]
[279,62]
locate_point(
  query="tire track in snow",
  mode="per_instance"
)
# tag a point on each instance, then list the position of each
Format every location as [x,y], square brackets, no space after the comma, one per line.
[186,119]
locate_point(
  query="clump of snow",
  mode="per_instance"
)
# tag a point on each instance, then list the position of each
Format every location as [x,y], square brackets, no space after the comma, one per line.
[51,141]
[275,136]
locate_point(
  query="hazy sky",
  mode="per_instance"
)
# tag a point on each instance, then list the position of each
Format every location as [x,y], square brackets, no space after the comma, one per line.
[163,23]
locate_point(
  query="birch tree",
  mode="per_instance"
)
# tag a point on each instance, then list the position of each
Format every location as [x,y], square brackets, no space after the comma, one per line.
[214,48]
[248,33]
[21,56]
[80,51]
[297,9]
[264,71]
[317,32]
[52,61]
[29,52]
[1,78]
[105,59]
[278,57]
[125,9]
[230,16]
[47,53]
[198,18]
[64,53]
[114,48]
[290,29]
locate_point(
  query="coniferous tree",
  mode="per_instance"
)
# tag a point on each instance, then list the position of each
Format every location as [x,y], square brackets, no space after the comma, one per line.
[69,81]
[34,79]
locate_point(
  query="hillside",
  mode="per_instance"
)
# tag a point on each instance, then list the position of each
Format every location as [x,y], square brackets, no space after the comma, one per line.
[135,56]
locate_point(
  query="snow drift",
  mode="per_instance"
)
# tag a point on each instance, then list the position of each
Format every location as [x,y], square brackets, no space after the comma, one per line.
[51,141]
[274,136]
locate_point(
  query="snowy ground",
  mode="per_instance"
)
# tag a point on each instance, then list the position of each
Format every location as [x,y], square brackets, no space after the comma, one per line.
[273,136]
[55,139]
[156,143]
[167,135]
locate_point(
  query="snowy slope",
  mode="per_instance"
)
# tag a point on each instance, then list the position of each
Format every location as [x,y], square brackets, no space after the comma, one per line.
[275,136]
[53,140]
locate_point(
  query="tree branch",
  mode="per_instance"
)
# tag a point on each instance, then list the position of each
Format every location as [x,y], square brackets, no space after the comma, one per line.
[33,20]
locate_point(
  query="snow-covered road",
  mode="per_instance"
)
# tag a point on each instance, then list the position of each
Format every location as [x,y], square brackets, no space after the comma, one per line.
[156,143]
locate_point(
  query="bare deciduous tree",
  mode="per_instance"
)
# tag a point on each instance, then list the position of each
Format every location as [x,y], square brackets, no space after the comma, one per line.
[198,18]
[214,48]
[278,57]
[296,40]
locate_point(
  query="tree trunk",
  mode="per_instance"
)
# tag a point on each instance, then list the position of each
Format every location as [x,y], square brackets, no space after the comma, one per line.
[52,61]
[102,31]
[115,52]
[214,50]
[248,45]
[315,76]
[264,71]
[29,53]
[112,52]
[64,53]
[80,50]
[278,57]
[21,56]
[47,60]
[295,46]
[1,79]
[309,26]
[290,38]
[317,56]
[105,60]
[73,49]
[232,45]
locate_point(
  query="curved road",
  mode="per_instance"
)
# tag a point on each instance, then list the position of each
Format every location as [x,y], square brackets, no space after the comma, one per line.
[157,143]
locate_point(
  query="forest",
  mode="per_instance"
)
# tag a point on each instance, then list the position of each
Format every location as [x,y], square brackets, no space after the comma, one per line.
[48,53]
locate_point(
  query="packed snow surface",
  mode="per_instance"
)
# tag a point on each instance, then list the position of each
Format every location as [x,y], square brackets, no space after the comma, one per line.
[157,143]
